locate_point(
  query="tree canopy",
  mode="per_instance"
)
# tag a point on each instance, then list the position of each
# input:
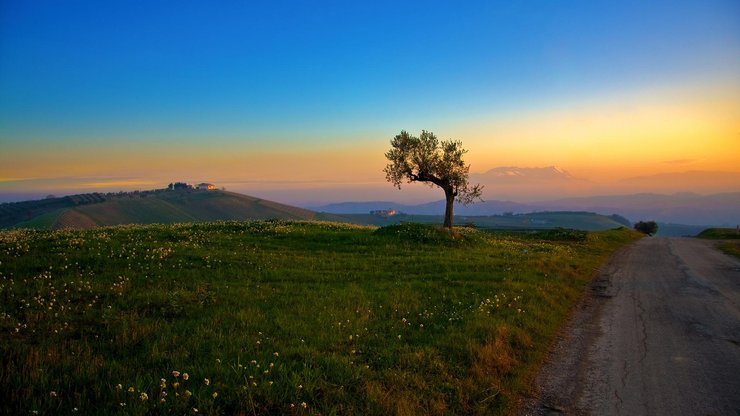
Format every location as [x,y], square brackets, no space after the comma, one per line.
[647,227]
[426,159]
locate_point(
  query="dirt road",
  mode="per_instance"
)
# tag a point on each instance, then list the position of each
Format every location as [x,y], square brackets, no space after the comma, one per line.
[659,334]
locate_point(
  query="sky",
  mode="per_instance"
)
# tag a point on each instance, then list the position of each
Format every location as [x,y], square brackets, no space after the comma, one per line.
[298,101]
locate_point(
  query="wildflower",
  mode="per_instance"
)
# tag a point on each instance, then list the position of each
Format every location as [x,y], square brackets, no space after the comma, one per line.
[53,393]
[185,376]
[175,385]
[162,383]
[206,381]
[214,395]
[304,405]
[195,410]
[143,396]
[188,393]
[276,354]
[119,387]
[131,389]
[176,374]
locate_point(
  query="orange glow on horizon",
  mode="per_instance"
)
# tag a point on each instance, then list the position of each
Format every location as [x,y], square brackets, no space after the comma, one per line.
[602,142]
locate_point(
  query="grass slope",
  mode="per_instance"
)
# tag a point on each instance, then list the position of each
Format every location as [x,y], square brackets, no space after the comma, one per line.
[729,239]
[43,221]
[149,207]
[179,206]
[276,317]
[538,220]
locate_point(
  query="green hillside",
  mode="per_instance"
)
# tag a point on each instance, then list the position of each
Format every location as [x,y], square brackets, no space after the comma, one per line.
[539,220]
[169,207]
[720,234]
[282,317]
[729,239]
[162,207]
[186,206]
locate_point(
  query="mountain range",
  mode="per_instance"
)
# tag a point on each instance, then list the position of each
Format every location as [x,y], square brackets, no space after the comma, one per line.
[548,183]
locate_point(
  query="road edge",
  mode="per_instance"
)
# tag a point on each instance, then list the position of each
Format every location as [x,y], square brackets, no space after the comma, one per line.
[554,391]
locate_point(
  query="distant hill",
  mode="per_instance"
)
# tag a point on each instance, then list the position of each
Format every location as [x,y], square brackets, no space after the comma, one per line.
[680,208]
[676,209]
[161,206]
[513,182]
[429,208]
[587,221]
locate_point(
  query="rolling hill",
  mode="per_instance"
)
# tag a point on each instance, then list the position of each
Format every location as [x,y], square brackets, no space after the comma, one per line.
[164,207]
[698,211]
[587,221]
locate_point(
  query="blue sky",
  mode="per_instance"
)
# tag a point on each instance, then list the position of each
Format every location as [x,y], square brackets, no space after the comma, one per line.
[275,76]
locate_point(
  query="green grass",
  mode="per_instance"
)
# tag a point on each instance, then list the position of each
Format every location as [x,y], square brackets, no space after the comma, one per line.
[282,317]
[42,222]
[537,220]
[187,206]
[730,235]
[155,207]
[731,247]
[720,234]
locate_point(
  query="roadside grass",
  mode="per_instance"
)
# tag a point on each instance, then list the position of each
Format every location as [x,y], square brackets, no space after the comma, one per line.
[720,234]
[730,237]
[730,247]
[278,317]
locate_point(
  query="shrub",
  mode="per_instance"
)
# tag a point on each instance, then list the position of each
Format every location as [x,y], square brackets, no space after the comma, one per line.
[647,227]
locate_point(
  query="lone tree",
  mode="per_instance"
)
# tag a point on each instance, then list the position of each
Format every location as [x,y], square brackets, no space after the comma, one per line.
[426,159]
[647,227]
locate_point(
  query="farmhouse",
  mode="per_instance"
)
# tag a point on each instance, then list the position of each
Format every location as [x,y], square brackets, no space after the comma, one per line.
[206,186]
[384,212]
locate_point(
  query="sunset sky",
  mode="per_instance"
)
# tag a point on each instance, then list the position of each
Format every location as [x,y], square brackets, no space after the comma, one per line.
[297,101]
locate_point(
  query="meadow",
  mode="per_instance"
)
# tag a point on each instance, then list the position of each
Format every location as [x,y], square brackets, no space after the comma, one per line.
[728,239]
[283,317]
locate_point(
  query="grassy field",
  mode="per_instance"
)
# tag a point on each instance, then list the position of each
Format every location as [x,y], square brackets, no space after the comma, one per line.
[150,207]
[730,237]
[280,317]
[536,220]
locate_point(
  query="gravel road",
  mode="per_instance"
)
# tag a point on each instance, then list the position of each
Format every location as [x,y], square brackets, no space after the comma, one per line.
[658,334]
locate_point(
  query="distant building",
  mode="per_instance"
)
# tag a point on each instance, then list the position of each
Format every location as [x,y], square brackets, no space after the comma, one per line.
[206,186]
[384,212]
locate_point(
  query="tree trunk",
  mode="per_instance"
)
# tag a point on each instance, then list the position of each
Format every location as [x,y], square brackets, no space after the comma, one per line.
[448,208]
